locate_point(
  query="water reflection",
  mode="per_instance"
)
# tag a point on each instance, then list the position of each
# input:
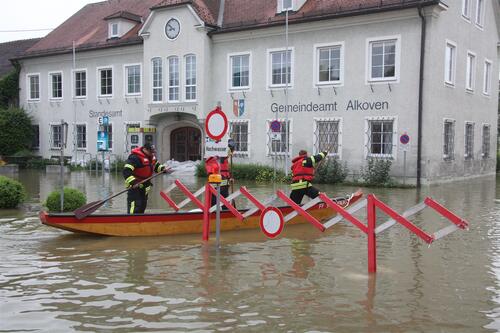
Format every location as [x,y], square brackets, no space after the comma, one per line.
[53,281]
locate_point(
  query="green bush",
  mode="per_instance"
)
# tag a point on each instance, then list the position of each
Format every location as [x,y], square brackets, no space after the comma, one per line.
[257,172]
[73,199]
[12,192]
[16,133]
[377,171]
[331,171]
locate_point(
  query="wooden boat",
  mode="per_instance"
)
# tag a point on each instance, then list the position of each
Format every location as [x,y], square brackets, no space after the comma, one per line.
[175,223]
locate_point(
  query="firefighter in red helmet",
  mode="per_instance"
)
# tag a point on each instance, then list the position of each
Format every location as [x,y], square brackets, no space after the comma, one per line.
[303,168]
[221,165]
[140,165]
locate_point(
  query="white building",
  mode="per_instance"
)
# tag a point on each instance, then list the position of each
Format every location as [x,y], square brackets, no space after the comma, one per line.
[355,76]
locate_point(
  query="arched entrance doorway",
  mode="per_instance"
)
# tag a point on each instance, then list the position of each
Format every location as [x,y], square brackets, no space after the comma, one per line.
[185,144]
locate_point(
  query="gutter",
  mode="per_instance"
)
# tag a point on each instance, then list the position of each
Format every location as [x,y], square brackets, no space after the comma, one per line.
[82,48]
[423,36]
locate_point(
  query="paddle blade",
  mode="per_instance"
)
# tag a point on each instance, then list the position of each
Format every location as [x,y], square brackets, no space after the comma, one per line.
[86,210]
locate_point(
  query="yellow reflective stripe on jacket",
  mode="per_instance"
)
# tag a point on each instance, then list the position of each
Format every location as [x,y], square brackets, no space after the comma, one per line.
[132,207]
[159,167]
[129,180]
[300,185]
[130,166]
[312,159]
[322,155]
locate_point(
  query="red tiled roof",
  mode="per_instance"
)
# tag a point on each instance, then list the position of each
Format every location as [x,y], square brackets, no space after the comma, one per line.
[241,14]
[11,50]
[89,29]
[208,10]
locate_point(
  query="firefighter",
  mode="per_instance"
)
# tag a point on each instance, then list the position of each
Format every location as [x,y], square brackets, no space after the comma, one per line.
[303,167]
[221,165]
[140,165]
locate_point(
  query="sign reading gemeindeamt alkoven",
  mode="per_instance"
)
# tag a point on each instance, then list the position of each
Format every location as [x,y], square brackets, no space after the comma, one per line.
[351,105]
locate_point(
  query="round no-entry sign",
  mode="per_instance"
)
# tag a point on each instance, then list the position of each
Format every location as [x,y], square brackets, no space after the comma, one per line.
[272,222]
[216,124]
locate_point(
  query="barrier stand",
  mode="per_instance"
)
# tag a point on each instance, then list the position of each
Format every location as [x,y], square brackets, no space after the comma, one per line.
[301,211]
[190,196]
[371,230]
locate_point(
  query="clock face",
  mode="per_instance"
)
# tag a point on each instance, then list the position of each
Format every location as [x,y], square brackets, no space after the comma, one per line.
[172,28]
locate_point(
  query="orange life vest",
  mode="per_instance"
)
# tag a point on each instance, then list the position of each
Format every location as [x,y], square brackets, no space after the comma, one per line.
[299,171]
[148,164]
[212,165]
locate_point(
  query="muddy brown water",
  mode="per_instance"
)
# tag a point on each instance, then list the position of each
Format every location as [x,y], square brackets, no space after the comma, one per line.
[304,281]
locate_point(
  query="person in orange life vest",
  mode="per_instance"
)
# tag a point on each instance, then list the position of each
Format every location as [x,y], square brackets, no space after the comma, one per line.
[221,165]
[303,167]
[140,165]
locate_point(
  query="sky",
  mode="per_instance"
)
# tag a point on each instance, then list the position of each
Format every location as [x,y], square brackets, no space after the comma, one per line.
[35,15]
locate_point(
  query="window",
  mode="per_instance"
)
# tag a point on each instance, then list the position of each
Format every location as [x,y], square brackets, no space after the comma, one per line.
[487,78]
[56,136]
[239,132]
[109,129]
[380,137]
[450,63]
[105,82]
[56,85]
[286,5]
[466,8]
[113,30]
[190,77]
[329,64]
[485,151]
[80,84]
[471,71]
[281,68]
[480,13]
[173,79]
[81,136]
[240,71]
[327,136]
[383,58]
[449,140]
[35,141]
[469,141]
[133,74]
[34,87]
[279,142]
[157,80]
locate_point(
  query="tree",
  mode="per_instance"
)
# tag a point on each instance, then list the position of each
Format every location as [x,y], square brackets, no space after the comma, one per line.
[16,133]
[9,89]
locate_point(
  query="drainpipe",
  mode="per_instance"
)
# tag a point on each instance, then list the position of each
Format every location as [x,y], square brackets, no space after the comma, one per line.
[420,95]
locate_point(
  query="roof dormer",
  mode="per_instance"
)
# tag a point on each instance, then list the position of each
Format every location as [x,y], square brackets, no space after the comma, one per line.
[289,5]
[120,23]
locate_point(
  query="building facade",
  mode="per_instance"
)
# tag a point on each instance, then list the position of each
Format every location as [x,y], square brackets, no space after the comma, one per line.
[410,81]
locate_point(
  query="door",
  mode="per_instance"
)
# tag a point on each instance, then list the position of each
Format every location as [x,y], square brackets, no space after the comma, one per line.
[185,144]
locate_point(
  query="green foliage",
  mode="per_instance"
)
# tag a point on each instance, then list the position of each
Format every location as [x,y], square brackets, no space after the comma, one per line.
[9,89]
[16,133]
[498,161]
[377,171]
[257,172]
[12,192]
[118,164]
[73,199]
[331,171]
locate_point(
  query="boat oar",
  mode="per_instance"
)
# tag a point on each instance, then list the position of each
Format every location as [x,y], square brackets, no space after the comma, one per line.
[86,210]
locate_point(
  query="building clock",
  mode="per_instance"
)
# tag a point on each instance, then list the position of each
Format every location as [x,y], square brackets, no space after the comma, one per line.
[172,28]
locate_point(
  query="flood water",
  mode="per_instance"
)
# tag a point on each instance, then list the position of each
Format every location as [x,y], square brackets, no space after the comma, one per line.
[304,281]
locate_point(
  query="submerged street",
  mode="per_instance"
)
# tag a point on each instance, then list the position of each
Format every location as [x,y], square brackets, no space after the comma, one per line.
[304,281]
